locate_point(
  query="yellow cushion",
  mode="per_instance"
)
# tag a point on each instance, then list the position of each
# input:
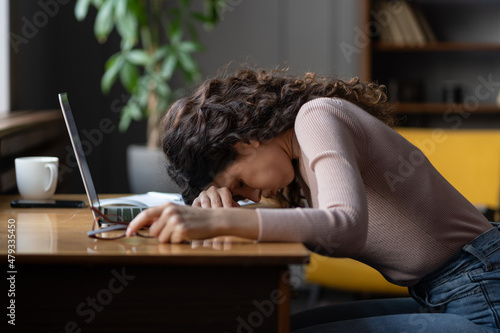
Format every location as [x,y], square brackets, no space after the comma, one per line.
[349,275]
[468,159]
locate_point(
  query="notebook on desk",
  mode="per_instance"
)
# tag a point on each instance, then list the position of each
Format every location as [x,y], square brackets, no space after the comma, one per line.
[126,207]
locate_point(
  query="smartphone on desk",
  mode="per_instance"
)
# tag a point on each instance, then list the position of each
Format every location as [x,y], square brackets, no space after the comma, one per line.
[23,203]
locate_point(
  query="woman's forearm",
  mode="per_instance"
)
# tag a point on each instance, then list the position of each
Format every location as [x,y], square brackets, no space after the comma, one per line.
[238,222]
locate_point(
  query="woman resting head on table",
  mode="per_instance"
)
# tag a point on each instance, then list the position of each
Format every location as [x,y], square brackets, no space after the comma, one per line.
[371,196]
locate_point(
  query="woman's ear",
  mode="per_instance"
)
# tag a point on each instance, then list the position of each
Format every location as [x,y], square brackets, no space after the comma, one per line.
[242,147]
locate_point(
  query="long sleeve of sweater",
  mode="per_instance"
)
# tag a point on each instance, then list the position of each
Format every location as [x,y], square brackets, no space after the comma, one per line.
[375,197]
[328,148]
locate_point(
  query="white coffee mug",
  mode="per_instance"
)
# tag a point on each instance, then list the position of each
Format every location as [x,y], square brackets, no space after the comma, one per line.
[36,176]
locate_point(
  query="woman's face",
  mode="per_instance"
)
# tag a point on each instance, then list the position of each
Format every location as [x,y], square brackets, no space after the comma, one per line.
[261,169]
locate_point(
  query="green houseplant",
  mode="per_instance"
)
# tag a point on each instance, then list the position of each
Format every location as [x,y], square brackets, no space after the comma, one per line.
[157,39]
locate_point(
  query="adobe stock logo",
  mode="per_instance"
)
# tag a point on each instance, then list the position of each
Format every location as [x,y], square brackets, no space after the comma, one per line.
[362,36]
[228,6]
[31,26]
[88,309]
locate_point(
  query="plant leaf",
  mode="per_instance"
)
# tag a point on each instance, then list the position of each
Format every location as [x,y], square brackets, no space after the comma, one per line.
[141,95]
[125,120]
[190,46]
[129,75]
[127,27]
[104,21]
[127,44]
[113,67]
[174,31]
[162,89]
[168,66]
[189,66]
[81,9]
[138,8]
[112,60]
[121,8]
[133,110]
[138,57]
[193,33]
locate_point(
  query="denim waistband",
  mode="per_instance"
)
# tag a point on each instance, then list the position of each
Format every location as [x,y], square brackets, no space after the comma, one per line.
[472,253]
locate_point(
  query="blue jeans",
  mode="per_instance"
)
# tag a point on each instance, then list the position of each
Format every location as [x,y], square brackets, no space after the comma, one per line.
[463,295]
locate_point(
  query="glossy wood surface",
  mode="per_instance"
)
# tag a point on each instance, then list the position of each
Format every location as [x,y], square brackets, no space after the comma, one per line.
[60,236]
[19,120]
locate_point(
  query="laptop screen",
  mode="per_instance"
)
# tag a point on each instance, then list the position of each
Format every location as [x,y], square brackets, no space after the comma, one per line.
[78,150]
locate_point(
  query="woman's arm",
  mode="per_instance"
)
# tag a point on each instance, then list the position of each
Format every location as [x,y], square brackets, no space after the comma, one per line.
[171,223]
[334,149]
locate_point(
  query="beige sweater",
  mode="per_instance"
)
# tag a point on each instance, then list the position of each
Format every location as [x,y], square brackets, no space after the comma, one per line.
[374,196]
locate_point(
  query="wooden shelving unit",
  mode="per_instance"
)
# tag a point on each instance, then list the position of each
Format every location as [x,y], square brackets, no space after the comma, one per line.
[464,61]
[437,47]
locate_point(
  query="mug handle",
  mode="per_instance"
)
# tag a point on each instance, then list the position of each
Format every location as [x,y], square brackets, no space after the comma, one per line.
[53,172]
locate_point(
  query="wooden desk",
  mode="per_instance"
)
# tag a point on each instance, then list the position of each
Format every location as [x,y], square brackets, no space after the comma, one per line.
[67,282]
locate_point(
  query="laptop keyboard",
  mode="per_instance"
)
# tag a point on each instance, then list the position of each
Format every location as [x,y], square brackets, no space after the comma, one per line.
[127,214]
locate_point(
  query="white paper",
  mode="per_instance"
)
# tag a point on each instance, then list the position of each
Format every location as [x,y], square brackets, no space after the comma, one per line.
[149,199]
[152,199]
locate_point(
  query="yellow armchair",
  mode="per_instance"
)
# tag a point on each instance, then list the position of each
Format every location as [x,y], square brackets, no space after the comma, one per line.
[349,275]
[468,159]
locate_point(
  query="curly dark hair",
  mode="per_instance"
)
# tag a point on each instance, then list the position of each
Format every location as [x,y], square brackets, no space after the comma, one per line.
[199,132]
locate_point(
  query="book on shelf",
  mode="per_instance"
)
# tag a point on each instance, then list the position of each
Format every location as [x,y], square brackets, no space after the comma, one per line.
[404,23]
[424,24]
[389,31]
[385,31]
[414,31]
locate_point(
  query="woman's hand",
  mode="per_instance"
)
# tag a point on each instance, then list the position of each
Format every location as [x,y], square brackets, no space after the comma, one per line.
[171,223]
[215,197]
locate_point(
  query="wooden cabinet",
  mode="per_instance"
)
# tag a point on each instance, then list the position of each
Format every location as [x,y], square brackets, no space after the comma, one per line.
[456,71]
[32,133]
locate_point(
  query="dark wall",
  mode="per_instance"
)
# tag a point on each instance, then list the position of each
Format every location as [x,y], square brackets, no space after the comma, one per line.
[51,52]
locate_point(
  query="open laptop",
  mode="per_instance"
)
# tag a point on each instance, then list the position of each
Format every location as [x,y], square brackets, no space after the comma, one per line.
[123,207]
